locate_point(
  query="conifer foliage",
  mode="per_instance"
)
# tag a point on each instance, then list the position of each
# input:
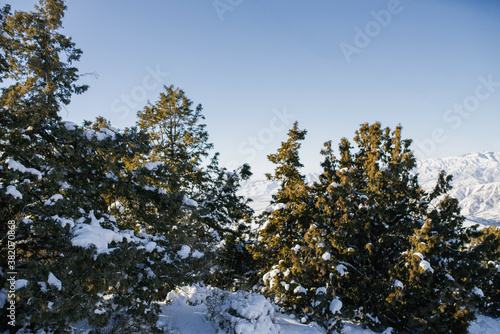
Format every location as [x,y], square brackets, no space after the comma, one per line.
[366,243]
[210,215]
[107,221]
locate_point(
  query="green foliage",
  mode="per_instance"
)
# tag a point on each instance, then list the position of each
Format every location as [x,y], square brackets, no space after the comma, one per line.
[38,60]
[177,136]
[108,221]
[58,181]
[281,248]
[485,247]
[207,215]
[368,237]
[227,216]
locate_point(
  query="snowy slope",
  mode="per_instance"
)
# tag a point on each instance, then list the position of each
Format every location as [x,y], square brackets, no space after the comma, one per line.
[187,311]
[476,184]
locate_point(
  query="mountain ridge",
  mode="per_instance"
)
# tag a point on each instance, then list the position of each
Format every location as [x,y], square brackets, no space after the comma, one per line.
[476,184]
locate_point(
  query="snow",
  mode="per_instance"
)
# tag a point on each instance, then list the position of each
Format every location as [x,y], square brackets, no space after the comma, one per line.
[12,190]
[300,289]
[64,221]
[341,269]
[184,252]
[398,284]
[202,310]
[118,206]
[476,183]
[419,255]
[296,248]
[70,126]
[426,266]
[280,206]
[14,165]
[326,256]
[150,246]
[197,254]
[52,200]
[335,306]
[87,235]
[101,135]
[485,325]
[53,280]
[43,286]
[269,276]
[190,202]
[478,292]
[21,283]
[153,165]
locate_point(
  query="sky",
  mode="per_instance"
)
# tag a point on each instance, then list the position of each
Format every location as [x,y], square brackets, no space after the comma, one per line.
[258,66]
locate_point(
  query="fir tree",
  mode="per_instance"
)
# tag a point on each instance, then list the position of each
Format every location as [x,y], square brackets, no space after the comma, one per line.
[227,218]
[206,215]
[178,137]
[281,239]
[486,249]
[57,181]
[370,245]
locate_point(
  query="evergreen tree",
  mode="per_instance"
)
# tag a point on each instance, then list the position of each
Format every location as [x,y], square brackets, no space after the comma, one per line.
[227,218]
[281,240]
[178,138]
[57,181]
[207,216]
[370,245]
[486,249]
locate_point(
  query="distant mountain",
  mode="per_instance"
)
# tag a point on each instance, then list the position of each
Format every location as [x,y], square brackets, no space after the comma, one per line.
[476,184]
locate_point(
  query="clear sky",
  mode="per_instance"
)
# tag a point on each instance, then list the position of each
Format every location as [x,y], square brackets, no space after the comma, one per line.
[257,66]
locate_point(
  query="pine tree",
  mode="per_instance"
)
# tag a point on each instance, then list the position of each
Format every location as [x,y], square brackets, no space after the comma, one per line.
[207,216]
[388,236]
[179,142]
[281,240]
[57,181]
[370,245]
[433,293]
[227,218]
[485,247]
[178,137]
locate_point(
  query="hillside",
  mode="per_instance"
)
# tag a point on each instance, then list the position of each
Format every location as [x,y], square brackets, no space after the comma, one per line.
[476,184]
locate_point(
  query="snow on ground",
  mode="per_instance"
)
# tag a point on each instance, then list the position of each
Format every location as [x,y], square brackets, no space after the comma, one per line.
[188,311]
[485,325]
[197,310]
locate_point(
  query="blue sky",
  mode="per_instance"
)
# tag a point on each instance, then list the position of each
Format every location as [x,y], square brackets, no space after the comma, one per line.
[256,66]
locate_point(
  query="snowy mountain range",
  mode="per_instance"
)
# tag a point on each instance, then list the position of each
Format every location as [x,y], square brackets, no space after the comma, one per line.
[476,184]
